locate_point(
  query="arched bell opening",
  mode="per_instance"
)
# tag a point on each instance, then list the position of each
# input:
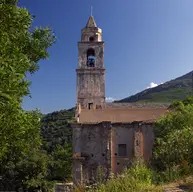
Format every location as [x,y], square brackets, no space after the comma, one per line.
[91,58]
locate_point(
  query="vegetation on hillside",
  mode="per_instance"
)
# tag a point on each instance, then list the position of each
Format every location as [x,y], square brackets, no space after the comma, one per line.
[57,136]
[177,89]
[55,128]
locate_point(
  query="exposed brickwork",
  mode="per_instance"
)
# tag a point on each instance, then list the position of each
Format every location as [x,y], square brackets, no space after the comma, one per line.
[138,143]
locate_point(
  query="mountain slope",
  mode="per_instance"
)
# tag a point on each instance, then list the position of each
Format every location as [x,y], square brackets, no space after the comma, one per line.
[176,89]
[55,128]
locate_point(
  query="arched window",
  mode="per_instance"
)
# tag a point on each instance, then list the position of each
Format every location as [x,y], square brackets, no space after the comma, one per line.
[90,58]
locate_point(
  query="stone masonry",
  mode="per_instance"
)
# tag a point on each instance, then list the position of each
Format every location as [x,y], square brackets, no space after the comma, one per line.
[91,71]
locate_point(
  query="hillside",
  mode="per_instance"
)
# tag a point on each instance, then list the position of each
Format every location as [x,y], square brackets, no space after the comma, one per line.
[176,89]
[55,128]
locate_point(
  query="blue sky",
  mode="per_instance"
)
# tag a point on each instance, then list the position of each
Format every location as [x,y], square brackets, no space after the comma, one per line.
[145,41]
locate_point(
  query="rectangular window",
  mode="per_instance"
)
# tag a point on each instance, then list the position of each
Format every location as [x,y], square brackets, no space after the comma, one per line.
[122,150]
[90,105]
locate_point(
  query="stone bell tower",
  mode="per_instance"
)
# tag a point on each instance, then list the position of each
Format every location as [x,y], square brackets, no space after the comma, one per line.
[91,72]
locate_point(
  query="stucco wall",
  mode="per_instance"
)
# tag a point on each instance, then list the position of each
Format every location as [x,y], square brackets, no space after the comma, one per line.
[121,135]
[128,134]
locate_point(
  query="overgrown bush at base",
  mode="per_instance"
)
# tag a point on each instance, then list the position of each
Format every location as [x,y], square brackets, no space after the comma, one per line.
[171,174]
[136,179]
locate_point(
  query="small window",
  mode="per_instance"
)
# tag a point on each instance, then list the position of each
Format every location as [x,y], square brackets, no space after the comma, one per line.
[122,150]
[91,39]
[90,105]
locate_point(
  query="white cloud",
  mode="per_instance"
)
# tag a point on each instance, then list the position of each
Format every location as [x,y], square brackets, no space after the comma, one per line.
[152,85]
[110,99]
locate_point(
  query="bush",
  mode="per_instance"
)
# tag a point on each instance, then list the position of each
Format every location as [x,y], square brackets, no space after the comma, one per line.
[140,172]
[174,138]
[136,179]
[172,174]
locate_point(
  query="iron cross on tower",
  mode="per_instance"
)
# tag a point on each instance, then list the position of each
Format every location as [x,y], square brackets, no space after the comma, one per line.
[91,10]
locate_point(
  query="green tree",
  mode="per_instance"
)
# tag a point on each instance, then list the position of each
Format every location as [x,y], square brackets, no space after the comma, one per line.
[21,49]
[61,167]
[174,136]
[57,137]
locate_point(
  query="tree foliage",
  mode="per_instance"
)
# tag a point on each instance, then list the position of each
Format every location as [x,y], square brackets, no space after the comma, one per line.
[21,48]
[55,129]
[174,136]
[57,137]
[61,166]
[22,162]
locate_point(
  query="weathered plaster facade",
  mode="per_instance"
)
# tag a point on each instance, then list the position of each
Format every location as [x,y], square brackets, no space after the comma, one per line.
[106,137]
[92,150]
[97,145]
[138,138]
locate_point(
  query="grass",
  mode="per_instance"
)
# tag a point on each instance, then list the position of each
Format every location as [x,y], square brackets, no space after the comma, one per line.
[161,96]
[170,95]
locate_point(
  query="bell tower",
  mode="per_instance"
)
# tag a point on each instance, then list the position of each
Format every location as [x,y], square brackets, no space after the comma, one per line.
[90,89]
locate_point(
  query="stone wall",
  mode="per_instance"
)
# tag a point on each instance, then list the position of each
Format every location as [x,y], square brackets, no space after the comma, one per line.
[63,187]
[91,80]
[96,146]
[91,151]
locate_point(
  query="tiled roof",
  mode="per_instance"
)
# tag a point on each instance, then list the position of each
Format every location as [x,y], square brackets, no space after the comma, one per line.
[121,115]
[137,105]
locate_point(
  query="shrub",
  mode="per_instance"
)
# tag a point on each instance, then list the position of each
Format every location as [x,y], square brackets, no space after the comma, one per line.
[174,138]
[136,179]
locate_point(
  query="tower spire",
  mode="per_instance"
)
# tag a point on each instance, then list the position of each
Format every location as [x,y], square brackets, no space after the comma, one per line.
[91,22]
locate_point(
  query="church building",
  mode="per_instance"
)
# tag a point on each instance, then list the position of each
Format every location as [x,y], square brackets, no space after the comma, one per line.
[106,136]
